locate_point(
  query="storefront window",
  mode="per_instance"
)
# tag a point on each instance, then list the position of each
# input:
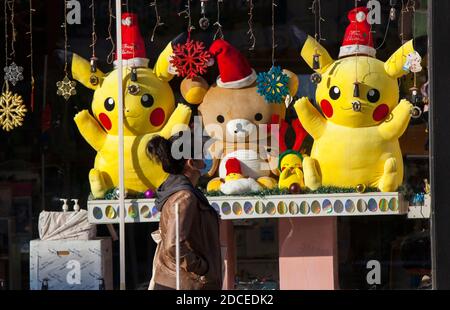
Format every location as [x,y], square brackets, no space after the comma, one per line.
[377,240]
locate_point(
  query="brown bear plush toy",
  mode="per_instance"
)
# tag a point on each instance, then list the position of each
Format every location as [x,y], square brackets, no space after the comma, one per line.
[240,122]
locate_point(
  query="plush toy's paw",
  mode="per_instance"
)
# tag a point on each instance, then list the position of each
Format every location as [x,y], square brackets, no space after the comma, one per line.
[388,182]
[194,90]
[240,186]
[98,185]
[214,185]
[405,103]
[301,103]
[267,182]
[82,115]
[313,179]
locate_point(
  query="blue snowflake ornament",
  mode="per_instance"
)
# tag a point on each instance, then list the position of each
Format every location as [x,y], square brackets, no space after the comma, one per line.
[273,85]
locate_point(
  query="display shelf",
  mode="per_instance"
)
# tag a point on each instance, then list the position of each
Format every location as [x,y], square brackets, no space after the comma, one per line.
[273,206]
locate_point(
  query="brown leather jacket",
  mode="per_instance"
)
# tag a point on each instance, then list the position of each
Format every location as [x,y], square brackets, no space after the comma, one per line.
[200,255]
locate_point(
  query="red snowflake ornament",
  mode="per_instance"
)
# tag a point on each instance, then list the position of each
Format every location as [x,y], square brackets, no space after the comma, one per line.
[190,59]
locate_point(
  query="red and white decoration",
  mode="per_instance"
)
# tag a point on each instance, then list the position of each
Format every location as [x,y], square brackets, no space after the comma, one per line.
[358,37]
[235,70]
[241,185]
[133,46]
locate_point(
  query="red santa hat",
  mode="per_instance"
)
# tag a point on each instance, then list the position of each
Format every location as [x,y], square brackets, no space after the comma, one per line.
[233,166]
[235,70]
[133,46]
[358,37]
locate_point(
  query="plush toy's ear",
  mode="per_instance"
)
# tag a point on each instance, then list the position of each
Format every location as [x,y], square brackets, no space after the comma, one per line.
[194,90]
[162,66]
[394,66]
[81,71]
[309,48]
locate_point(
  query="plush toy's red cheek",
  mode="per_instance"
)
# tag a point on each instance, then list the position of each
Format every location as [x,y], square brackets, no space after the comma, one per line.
[157,117]
[106,122]
[380,112]
[327,109]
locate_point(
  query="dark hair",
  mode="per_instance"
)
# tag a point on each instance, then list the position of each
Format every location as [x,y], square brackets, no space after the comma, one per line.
[160,150]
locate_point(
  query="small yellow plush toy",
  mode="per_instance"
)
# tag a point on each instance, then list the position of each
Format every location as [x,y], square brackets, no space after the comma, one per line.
[291,170]
[148,110]
[356,138]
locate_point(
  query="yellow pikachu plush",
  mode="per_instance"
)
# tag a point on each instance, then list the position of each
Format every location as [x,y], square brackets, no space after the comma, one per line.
[148,110]
[356,138]
[290,167]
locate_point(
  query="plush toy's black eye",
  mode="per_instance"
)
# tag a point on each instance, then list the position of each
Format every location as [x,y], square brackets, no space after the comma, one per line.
[220,119]
[335,92]
[109,104]
[373,95]
[147,100]
[258,117]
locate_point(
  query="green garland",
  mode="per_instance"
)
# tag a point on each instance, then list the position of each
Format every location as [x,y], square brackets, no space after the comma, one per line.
[111,193]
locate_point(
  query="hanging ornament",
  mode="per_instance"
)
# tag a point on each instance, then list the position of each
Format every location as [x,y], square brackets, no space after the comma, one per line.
[134,88]
[273,85]
[190,59]
[204,21]
[316,63]
[93,79]
[66,87]
[13,73]
[316,77]
[413,64]
[392,12]
[12,109]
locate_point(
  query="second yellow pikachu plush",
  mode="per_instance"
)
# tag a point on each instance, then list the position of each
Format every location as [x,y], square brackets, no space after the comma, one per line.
[356,135]
[149,109]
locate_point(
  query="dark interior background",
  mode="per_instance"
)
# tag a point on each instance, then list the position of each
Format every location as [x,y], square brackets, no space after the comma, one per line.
[48,153]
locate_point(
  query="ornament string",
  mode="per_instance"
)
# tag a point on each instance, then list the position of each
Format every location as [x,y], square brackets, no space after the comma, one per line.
[412,5]
[93,34]
[387,27]
[158,22]
[273,85]
[110,57]
[5,82]
[13,29]
[250,25]
[317,11]
[356,89]
[318,19]
[65,87]
[65,37]
[31,54]
[273,32]
[187,14]
[218,32]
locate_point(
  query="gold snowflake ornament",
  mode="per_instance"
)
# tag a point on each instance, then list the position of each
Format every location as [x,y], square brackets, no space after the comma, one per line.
[66,88]
[12,110]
